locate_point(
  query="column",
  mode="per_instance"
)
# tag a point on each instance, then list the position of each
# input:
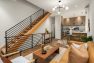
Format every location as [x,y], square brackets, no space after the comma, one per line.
[57,27]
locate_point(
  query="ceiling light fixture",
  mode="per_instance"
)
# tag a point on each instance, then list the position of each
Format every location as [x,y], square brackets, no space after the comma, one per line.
[59,6]
[53,9]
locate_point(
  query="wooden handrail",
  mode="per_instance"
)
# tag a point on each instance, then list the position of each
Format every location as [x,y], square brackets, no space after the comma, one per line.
[10,54]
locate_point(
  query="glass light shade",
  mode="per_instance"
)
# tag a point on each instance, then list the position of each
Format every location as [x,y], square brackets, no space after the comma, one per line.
[53,9]
[59,12]
[66,8]
[60,3]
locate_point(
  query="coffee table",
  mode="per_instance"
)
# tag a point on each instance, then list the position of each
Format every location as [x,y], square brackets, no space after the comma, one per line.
[48,54]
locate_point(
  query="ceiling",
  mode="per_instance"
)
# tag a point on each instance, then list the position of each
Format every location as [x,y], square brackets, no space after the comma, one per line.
[49,4]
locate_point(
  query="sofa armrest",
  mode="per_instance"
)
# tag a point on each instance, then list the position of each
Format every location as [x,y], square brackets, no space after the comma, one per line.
[64,58]
[91,52]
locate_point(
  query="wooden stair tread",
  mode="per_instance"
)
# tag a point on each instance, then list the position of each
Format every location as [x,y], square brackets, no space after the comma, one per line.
[19,41]
[37,25]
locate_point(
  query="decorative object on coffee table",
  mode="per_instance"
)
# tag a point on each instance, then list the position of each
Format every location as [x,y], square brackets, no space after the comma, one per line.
[42,49]
[50,52]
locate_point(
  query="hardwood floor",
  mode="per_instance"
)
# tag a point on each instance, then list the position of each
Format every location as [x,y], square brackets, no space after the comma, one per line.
[28,51]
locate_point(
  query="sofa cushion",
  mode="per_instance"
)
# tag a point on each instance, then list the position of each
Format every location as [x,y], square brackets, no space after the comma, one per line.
[62,42]
[57,58]
[65,57]
[62,50]
[78,46]
[76,42]
[78,55]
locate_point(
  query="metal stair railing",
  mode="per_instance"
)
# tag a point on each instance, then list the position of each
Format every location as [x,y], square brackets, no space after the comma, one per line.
[16,31]
[32,41]
[18,28]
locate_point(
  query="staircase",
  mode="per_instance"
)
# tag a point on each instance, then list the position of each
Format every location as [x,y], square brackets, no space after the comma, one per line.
[22,32]
[32,41]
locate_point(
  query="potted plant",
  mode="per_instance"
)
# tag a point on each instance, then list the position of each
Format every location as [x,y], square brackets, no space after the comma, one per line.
[84,39]
[46,31]
[43,51]
[89,38]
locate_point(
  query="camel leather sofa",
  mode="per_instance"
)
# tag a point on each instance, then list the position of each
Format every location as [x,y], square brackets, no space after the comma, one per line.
[65,58]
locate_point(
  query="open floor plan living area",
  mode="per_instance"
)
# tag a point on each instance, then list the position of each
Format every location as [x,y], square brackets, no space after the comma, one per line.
[46,31]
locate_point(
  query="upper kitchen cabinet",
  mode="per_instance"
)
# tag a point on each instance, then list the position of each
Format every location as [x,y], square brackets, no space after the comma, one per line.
[74,21]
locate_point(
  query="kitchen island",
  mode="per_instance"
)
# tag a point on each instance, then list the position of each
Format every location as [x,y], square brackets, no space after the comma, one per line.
[77,36]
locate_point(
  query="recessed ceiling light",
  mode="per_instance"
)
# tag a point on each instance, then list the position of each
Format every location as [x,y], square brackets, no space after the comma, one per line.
[53,9]
[66,8]
[60,3]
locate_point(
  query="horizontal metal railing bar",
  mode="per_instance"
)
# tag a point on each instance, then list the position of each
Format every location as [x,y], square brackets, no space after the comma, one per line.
[16,34]
[26,35]
[22,21]
[37,11]
[35,43]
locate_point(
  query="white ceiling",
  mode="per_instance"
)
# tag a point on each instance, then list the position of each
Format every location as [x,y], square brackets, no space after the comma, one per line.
[49,4]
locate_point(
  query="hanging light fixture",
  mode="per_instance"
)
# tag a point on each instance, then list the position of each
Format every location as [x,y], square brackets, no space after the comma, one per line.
[60,6]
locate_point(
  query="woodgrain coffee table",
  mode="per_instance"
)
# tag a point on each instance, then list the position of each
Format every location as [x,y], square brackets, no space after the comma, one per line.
[48,54]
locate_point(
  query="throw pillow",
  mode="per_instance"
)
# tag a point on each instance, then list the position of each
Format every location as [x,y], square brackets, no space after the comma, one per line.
[78,46]
[78,55]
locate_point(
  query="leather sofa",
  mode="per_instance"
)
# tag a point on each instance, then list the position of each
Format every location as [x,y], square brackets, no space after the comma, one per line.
[65,58]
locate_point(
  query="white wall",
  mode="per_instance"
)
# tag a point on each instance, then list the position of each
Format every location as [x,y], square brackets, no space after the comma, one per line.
[74,13]
[91,16]
[12,12]
[46,24]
